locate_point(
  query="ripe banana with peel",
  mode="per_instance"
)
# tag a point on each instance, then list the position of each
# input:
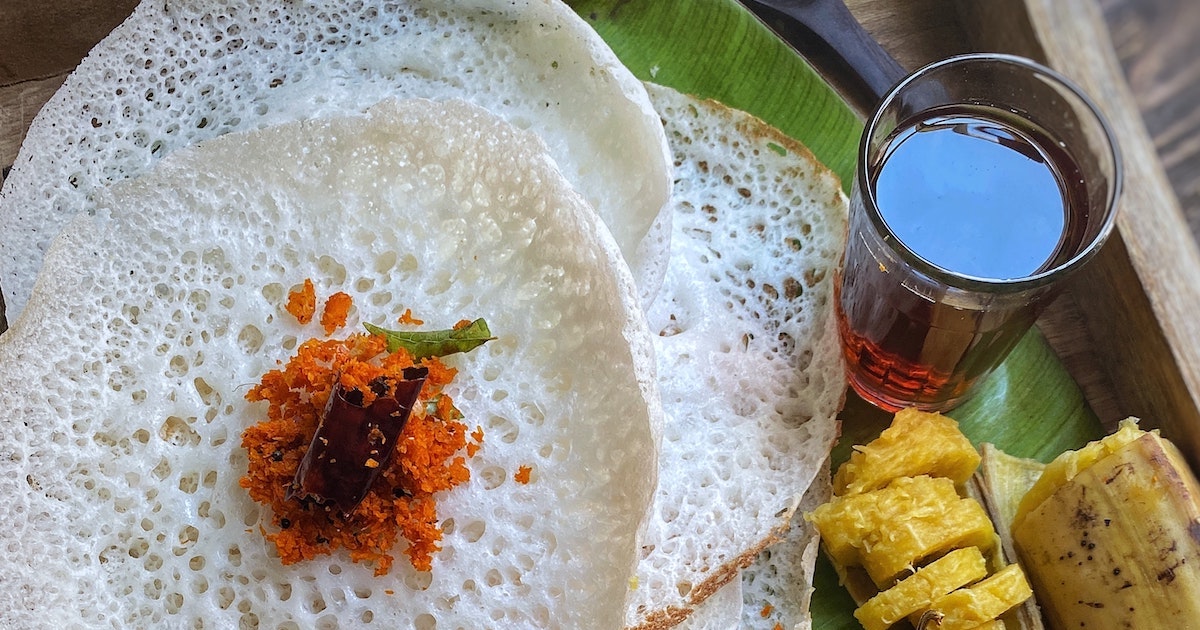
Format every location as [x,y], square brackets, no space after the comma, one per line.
[1110,535]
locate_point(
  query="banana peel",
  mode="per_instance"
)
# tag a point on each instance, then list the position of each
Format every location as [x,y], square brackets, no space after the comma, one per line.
[1109,534]
[1116,542]
[999,484]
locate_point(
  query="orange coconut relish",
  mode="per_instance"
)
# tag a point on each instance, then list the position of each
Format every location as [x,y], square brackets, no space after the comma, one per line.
[428,456]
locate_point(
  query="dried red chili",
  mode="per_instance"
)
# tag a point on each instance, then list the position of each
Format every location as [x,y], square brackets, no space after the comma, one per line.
[355,440]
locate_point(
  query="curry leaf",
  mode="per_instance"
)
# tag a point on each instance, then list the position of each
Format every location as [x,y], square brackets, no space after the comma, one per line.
[435,343]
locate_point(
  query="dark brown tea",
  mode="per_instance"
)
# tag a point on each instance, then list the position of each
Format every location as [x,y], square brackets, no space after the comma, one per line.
[972,191]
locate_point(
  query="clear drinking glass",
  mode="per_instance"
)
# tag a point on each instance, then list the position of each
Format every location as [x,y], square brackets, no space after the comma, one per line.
[982,181]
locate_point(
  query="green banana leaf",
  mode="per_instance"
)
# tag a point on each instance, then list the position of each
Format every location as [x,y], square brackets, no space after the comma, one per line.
[717,49]
[1029,407]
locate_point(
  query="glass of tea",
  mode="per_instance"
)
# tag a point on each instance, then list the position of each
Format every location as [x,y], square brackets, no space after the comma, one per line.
[982,181]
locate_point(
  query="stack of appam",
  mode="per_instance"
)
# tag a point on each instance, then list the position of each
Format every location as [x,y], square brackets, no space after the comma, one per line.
[657,270]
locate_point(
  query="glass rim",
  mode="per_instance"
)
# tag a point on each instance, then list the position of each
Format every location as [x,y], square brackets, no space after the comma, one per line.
[978,283]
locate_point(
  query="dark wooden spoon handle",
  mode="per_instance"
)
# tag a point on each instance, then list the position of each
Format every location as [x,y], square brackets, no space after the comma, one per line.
[836,44]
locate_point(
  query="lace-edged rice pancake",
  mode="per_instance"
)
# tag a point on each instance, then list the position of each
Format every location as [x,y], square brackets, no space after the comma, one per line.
[126,378]
[747,351]
[176,73]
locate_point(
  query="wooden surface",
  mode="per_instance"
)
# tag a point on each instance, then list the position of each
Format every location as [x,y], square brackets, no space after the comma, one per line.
[1134,351]
[1157,43]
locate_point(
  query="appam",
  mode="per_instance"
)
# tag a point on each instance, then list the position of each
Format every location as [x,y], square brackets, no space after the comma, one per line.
[176,73]
[126,375]
[781,577]
[746,344]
